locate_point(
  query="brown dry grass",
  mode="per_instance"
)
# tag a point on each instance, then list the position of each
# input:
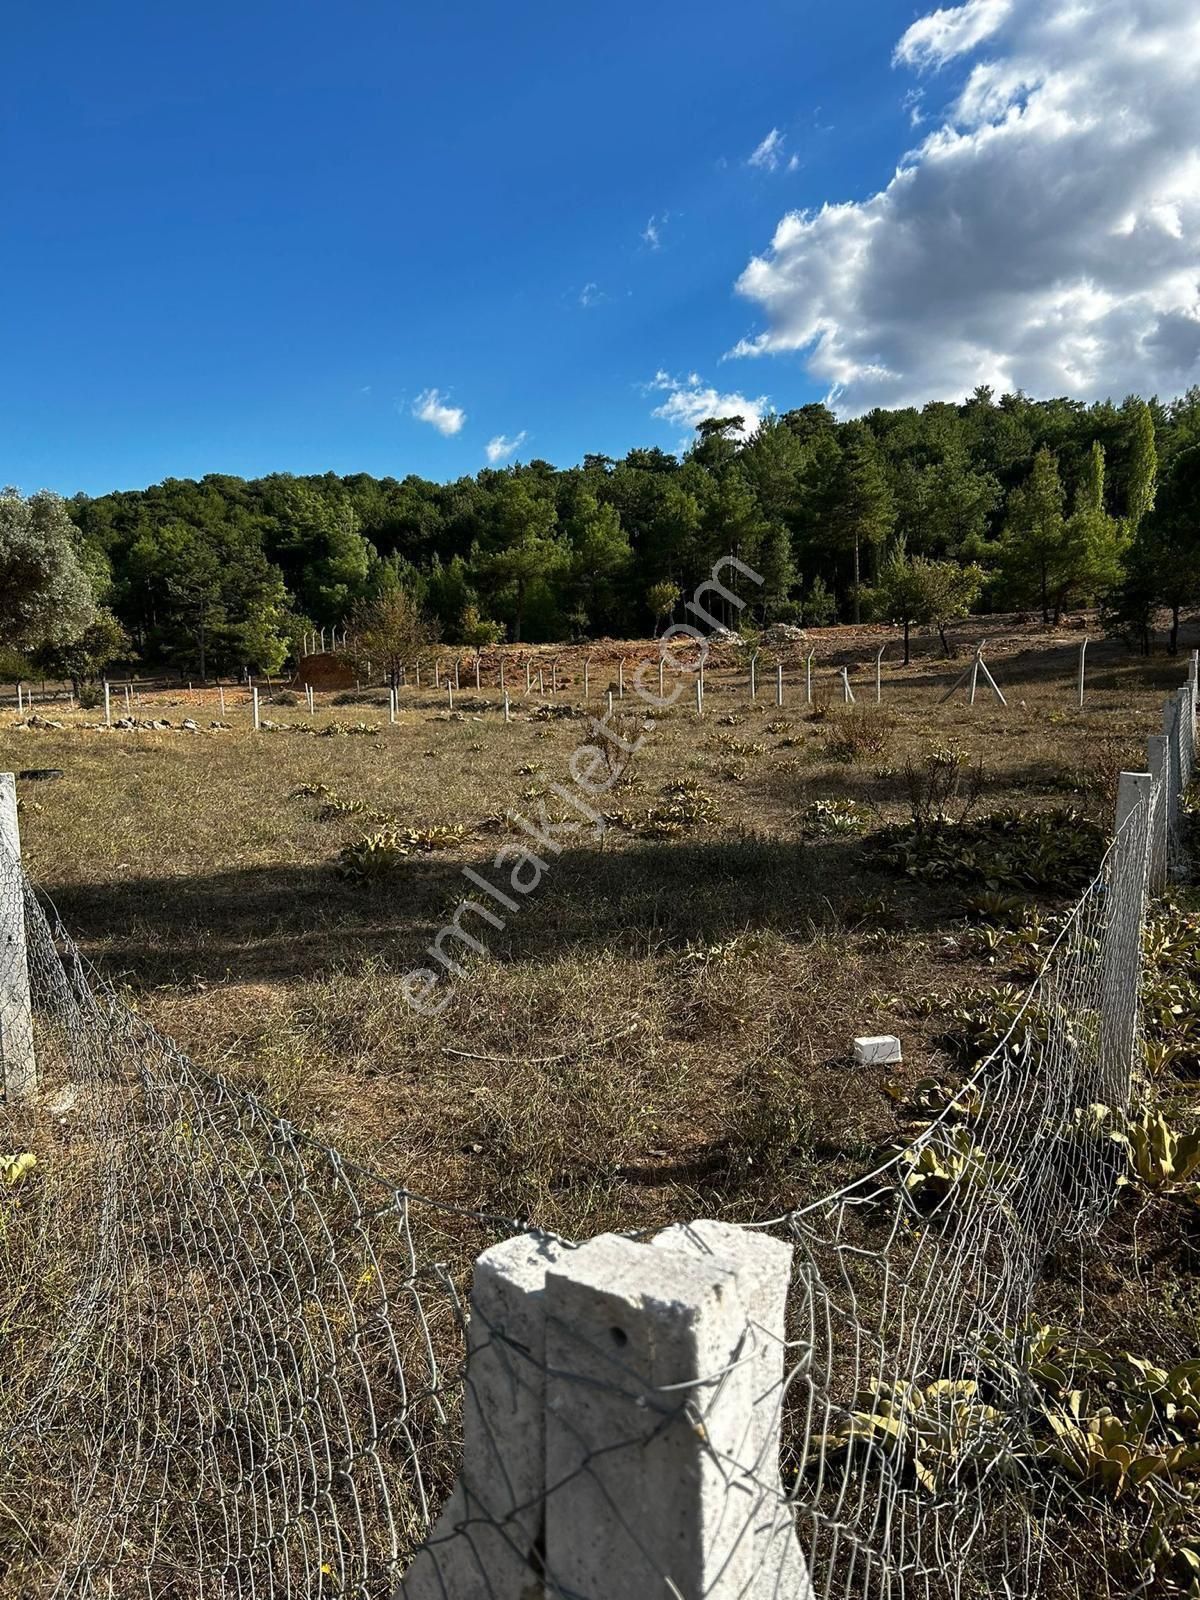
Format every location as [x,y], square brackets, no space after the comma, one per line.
[663,1027]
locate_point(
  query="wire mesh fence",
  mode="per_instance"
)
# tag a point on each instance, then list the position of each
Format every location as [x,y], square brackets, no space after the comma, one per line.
[234,1361]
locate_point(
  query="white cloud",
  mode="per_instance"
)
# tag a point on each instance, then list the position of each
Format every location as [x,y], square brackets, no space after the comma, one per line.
[768,152]
[652,232]
[429,406]
[1046,236]
[591,295]
[689,401]
[500,448]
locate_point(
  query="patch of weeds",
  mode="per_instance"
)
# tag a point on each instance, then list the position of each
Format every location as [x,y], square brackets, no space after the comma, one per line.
[824,819]
[1008,849]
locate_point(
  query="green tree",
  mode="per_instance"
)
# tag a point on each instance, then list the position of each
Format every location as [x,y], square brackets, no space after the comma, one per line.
[391,631]
[859,509]
[914,589]
[82,660]
[1168,544]
[600,556]
[1142,470]
[45,595]
[1034,545]
[662,598]
[521,548]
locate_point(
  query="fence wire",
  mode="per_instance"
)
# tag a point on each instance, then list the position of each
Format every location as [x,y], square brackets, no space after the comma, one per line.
[233,1359]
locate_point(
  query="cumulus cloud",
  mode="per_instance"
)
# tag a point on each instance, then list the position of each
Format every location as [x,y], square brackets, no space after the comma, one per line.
[430,406]
[689,401]
[768,153]
[500,448]
[591,295]
[1045,236]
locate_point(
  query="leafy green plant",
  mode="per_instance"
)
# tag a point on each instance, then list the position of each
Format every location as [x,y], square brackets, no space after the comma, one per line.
[1009,849]
[825,818]
[936,1432]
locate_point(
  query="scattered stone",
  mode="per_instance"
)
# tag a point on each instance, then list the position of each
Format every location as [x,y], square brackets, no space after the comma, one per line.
[877,1050]
[784,633]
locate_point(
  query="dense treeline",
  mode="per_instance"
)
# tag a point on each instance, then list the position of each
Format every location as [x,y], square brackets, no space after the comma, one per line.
[1045,504]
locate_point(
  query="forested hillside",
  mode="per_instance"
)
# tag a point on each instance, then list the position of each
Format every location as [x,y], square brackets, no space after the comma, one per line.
[905,514]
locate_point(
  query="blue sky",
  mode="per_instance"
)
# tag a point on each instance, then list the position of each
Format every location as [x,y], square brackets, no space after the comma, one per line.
[266,237]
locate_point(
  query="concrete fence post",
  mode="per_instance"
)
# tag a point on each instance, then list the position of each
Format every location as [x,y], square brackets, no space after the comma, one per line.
[1156,761]
[1174,779]
[621,1424]
[621,679]
[808,661]
[18,1067]
[254,711]
[753,676]
[221,696]
[1187,723]
[778,684]
[507,708]
[107,705]
[699,697]
[1082,661]
[847,691]
[587,665]
[1125,906]
[477,671]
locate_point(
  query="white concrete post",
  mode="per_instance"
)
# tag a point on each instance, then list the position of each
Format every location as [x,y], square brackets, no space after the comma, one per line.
[808,677]
[983,667]
[128,701]
[450,693]
[662,663]
[18,1066]
[391,705]
[456,684]
[702,674]
[699,696]
[107,705]
[621,1425]
[20,701]
[541,684]
[847,691]
[1186,723]
[1174,774]
[1082,660]
[587,663]
[753,677]
[477,671]
[507,708]
[528,677]
[437,673]
[610,702]
[1125,907]
[778,683]
[974,676]
[221,694]
[254,708]
[621,679]
[1156,761]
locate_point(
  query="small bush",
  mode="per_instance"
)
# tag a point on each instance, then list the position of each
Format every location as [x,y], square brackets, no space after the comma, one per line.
[858,733]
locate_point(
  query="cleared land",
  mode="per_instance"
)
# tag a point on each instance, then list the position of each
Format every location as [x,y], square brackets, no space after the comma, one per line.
[662,1029]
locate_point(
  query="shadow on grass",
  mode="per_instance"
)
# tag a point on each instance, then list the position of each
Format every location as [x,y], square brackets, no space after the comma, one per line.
[288,924]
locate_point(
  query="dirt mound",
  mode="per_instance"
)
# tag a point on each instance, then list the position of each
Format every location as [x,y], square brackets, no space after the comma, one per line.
[325,671]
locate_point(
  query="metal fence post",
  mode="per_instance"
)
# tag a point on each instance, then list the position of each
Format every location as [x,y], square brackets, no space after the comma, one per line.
[18,1066]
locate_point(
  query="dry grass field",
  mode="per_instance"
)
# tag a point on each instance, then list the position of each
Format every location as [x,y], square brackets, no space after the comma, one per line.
[663,1028]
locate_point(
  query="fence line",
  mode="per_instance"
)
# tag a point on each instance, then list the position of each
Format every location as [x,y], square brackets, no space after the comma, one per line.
[242,1364]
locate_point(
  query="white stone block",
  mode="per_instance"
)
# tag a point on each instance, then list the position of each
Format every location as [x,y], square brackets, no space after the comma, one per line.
[877,1050]
[491,1525]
